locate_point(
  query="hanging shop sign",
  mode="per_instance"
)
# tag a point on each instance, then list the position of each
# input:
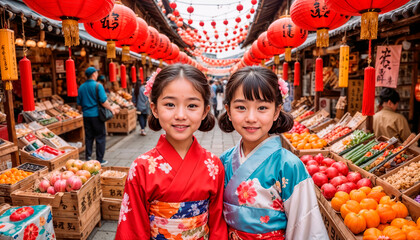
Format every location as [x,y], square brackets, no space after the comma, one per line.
[8,63]
[387,65]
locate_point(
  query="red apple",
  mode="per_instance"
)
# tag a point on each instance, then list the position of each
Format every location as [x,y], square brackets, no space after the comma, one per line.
[364,182]
[354,177]
[341,167]
[320,179]
[328,190]
[328,162]
[312,162]
[55,176]
[337,181]
[84,175]
[331,172]
[322,169]
[306,158]
[67,174]
[344,188]
[352,185]
[319,158]
[312,169]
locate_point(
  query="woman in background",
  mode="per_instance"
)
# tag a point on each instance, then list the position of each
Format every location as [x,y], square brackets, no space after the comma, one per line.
[142,105]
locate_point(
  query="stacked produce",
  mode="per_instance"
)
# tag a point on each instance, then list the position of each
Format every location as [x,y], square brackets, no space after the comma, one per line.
[332,176]
[326,130]
[357,137]
[301,110]
[298,128]
[337,133]
[305,140]
[400,158]
[320,122]
[13,176]
[113,173]
[75,175]
[120,101]
[406,177]
[304,115]
[364,152]
[314,120]
[124,95]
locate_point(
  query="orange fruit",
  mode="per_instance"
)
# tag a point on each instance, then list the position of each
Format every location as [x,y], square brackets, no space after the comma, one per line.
[308,146]
[301,145]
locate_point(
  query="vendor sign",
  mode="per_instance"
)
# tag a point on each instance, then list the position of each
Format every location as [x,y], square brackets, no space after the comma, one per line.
[387,65]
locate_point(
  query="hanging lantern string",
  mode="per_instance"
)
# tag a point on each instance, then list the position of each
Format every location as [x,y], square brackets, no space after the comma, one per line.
[211,4]
[370,52]
[23,35]
[344,40]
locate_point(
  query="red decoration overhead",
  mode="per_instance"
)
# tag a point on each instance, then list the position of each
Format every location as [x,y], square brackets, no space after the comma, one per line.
[239,7]
[133,74]
[139,36]
[112,72]
[252,11]
[190,21]
[163,49]
[172,5]
[256,53]
[153,37]
[25,70]
[201,23]
[190,9]
[253,2]
[174,53]
[283,33]
[315,15]
[266,47]
[71,78]
[213,23]
[368,106]
[296,81]
[226,22]
[369,11]
[123,74]
[175,13]
[72,12]
[319,75]
[118,25]
[238,19]
[248,16]
[141,75]
[285,71]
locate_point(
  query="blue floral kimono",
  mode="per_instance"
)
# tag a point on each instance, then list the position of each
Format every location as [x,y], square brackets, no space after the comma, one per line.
[270,195]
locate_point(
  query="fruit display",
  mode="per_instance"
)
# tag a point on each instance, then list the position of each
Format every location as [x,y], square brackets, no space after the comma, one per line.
[316,119]
[75,175]
[124,95]
[355,138]
[326,130]
[336,133]
[332,176]
[304,115]
[358,152]
[406,177]
[399,159]
[113,174]
[306,141]
[301,110]
[13,176]
[73,114]
[30,167]
[298,128]
[120,101]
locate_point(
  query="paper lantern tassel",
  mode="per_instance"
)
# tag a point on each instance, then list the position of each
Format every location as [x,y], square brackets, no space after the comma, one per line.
[133,74]
[141,75]
[71,32]
[322,38]
[26,83]
[319,76]
[369,25]
[123,76]
[125,53]
[285,71]
[71,78]
[110,49]
[112,72]
[368,107]
[297,74]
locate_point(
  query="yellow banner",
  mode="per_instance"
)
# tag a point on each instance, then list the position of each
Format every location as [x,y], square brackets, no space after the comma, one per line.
[8,63]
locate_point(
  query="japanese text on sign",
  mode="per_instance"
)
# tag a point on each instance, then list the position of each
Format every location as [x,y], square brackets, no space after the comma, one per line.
[387,65]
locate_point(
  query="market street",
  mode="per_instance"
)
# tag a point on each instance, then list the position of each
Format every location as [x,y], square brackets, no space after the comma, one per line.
[122,150]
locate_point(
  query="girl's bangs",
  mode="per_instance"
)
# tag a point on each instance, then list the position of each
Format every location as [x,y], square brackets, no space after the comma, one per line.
[255,88]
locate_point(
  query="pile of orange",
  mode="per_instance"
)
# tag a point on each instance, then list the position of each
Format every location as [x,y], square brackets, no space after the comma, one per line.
[305,140]
[13,176]
[371,211]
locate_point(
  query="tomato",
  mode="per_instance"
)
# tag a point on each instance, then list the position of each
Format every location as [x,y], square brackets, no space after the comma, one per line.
[21,214]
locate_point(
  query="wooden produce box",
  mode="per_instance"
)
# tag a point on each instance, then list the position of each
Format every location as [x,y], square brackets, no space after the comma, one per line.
[334,225]
[44,92]
[321,114]
[7,189]
[300,152]
[5,162]
[53,163]
[110,208]
[123,122]
[408,200]
[113,187]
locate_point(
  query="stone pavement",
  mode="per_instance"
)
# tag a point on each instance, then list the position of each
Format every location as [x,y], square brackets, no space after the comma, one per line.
[122,150]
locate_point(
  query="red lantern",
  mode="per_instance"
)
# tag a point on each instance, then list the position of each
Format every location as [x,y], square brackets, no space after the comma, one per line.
[248,16]
[213,23]
[297,74]
[118,25]
[216,36]
[252,11]
[133,74]
[112,72]
[72,12]
[164,48]
[190,9]
[368,106]
[153,45]
[176,13]
[71,78]
[255,51]
[172,5]
[174,53]
[139,36]
[239,7]
[151,40]
[319,75]
[123,76]
[266,47]
[283,33]
[368,9]
[238,19]
[190,21]
[417,92]
[314,15]
[27,85]
[285,71]
[226,34]
[226,22]
[253,2]
[201,23]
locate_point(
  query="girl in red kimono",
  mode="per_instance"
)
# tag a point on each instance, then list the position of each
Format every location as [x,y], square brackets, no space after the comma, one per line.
[175,191]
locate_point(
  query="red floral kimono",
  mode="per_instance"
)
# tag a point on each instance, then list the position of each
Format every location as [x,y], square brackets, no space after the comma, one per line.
[167,197]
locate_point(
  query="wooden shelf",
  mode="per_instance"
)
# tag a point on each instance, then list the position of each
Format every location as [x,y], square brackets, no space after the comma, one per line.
[7,148]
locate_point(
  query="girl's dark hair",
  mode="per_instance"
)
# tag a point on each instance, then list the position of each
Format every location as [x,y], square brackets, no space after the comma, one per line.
[257,83]
[190,73]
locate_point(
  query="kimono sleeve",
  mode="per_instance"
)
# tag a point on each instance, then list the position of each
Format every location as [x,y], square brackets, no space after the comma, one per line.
[134,219]
[217,224]
[304,220]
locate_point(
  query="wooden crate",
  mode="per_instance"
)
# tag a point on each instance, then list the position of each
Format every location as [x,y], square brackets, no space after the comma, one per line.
[123,122]
[394,171]
[73,204]
[71,228]
[7,189]
[113,187]
[408,200]
[110,208]
[5,162]
[54,163]
[288,145]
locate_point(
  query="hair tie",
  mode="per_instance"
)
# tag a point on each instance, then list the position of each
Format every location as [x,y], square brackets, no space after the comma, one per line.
[284,89]
[149,84]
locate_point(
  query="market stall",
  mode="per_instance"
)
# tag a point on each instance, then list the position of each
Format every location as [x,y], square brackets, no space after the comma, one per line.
[125,121]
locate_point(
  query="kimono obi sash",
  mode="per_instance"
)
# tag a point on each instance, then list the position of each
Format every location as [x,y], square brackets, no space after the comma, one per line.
[238,235]
[181,220]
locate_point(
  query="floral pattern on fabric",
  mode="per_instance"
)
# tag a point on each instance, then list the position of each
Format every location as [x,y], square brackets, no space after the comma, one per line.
[165,167]
[238,235]
[186,220]
[213,168]
[31,232]
[264,219]
[132,171]
[284,181]
[251,193]
[124,208]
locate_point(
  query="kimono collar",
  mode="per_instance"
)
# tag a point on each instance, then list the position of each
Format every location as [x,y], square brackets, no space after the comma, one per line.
[171,155]
[241,149]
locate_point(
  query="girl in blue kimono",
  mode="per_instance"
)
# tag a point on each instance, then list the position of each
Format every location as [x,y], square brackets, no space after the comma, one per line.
[268,192]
